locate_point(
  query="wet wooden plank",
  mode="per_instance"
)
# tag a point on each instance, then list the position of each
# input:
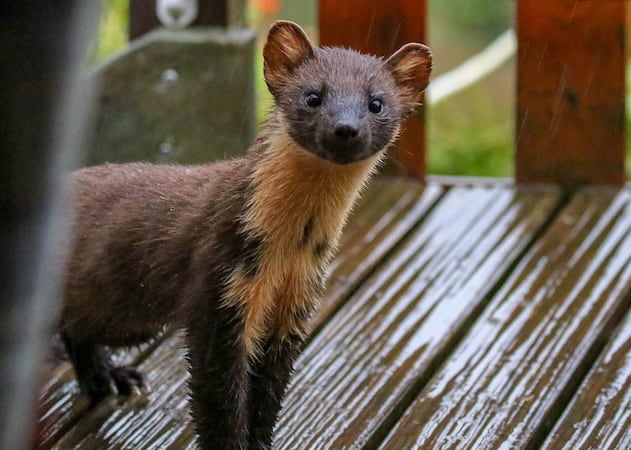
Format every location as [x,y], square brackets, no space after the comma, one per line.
[518,366]
[387,212]
[571,91]
[59,406]
[599,417]
[132,423]
[61,403]
[380,28]
[372,356]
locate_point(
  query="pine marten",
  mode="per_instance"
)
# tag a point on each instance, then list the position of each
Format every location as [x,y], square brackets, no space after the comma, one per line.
[234,252]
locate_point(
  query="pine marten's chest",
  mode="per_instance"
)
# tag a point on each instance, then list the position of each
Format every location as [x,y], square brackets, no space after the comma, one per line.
[296,213]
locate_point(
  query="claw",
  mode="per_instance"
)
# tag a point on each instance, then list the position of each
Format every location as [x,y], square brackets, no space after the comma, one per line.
[128,380]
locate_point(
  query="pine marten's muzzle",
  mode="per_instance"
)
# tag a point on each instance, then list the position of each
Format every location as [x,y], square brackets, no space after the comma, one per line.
[344,138]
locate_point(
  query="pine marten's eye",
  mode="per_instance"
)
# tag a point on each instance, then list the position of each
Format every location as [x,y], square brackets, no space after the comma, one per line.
[313,100]
[375,106]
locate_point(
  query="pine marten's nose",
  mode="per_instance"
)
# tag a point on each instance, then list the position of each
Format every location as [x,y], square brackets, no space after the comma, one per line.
[345,132]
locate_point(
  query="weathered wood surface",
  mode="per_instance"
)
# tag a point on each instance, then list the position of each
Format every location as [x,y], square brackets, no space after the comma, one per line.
[571,91]
[599,417]
[388,211]
[371,357]
[522,360]
[380,28]
[462,316]
[60,402]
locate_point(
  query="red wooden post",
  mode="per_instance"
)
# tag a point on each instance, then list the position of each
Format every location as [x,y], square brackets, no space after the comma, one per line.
[571,91]
[143,18]
[380,27]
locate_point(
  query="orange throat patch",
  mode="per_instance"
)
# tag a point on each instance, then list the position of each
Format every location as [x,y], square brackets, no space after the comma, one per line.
[298,210]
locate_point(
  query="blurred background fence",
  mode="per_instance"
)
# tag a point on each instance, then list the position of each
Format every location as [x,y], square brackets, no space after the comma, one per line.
[470,133]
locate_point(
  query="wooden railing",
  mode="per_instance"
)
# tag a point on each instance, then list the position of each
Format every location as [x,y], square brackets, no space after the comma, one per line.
[570,114]
[570,111]
[570,91]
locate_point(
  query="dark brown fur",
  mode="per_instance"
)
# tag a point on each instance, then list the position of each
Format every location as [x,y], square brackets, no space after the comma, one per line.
[234,252]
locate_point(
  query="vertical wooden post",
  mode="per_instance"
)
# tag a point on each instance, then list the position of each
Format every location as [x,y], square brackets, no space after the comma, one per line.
[380,27]
[143,18]
[43,110]
[571,91]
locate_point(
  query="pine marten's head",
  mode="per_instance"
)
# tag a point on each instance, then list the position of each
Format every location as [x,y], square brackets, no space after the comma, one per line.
[338,104]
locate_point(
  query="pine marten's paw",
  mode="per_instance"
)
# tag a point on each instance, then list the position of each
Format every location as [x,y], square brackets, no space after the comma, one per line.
[124,380]
[128,380]
[98,377]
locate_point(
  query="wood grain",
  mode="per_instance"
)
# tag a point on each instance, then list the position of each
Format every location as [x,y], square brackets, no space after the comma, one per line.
[393,332]
[599,417]
[389,210]
[61,403]
[380,28]
[132,423]
[571,91]
[519,365]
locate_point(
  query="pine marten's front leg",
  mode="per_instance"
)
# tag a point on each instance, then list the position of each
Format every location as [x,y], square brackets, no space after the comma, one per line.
[219,377]
[270,376]
[272,371]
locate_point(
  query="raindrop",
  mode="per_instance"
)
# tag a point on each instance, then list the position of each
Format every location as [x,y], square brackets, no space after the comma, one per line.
[166,149]
[168,80]
[169,76]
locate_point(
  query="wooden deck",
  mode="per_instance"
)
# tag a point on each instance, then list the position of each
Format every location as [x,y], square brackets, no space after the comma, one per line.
[458,315]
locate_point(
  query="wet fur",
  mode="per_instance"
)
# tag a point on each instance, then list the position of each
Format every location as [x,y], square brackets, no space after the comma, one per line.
[233,252]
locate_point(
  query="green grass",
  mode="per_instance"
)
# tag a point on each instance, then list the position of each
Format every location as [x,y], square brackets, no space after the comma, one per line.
[470,133]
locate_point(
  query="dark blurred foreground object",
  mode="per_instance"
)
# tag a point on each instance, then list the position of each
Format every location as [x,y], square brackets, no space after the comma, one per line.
[42,118]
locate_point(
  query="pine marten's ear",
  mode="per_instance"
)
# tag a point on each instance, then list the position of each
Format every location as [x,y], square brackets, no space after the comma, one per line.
[286,48]
[411,66]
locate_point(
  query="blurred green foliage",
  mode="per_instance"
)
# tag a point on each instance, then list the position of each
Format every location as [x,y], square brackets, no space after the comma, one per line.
[470,133]
[483,18]
[112,34]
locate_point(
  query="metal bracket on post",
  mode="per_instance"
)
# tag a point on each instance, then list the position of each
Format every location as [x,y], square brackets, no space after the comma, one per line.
[177,14]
